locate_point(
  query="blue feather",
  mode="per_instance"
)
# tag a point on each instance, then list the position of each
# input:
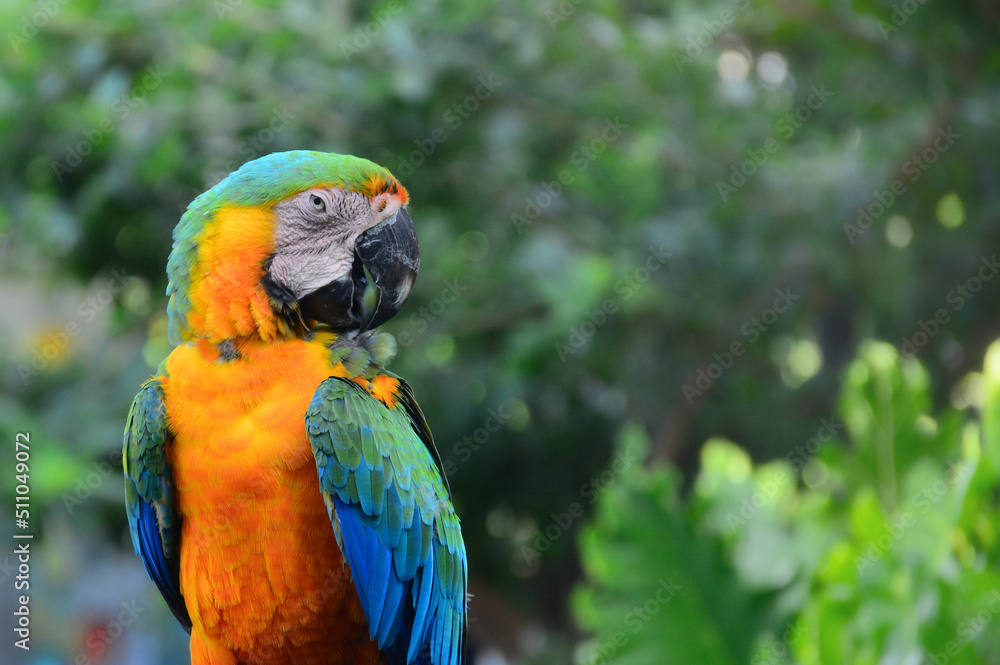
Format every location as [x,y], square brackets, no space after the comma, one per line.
[357,542]
[390,616]
[166,574]
[421,605]
[379,585]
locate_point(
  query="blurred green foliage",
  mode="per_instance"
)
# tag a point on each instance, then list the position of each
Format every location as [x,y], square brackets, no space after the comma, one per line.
[678,215]
[877,545]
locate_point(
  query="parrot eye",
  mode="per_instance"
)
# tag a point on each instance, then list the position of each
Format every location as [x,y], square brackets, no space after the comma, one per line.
[382,204]
[318,204]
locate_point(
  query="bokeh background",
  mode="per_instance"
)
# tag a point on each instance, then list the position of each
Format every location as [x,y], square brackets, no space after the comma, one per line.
[702,325]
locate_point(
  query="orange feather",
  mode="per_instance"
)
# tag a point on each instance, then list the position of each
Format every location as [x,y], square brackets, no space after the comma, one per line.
[227,299]
[261,571]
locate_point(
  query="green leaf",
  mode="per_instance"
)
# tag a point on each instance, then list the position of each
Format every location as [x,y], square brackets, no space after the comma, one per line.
[658,590]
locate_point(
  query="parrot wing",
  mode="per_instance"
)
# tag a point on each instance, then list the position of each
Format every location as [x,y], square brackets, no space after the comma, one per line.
[389,503]
[152,515]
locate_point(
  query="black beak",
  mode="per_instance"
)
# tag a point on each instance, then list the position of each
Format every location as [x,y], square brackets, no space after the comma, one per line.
[386,261]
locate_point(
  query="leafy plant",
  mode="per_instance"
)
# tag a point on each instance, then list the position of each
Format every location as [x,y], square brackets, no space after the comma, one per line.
[880,551]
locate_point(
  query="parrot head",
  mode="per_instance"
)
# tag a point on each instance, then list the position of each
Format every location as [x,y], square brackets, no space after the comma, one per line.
[289,240]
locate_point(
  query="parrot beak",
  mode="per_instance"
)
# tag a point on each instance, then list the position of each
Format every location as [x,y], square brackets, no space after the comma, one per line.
[386,261]
[391,255]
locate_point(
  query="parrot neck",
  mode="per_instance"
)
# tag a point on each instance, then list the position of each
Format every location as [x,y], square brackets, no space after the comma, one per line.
[245,363]
[216,288]
[365,355]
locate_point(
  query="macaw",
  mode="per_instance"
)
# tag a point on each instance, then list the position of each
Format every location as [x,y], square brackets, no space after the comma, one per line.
[283,488]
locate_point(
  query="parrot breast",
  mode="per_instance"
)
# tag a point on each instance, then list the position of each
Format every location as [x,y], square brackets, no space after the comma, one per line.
[261,572]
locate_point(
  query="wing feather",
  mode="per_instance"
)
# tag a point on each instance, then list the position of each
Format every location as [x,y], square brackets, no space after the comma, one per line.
[387,496]
[152,516]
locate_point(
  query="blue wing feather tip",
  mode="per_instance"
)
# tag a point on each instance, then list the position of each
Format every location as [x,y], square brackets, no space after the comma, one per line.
[164,573]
